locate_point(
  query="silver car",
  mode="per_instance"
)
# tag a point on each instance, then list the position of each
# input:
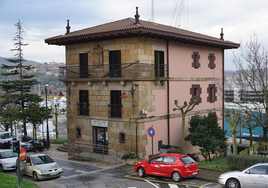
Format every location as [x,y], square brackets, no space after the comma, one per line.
[254,176]
[41,166]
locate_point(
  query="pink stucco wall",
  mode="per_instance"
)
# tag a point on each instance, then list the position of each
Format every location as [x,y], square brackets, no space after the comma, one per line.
[183,75]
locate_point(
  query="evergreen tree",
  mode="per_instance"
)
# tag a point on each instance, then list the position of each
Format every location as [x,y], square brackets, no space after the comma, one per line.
[206,133]
[17,86]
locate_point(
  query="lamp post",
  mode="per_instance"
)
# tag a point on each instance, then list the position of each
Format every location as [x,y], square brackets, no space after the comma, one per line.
[48,141]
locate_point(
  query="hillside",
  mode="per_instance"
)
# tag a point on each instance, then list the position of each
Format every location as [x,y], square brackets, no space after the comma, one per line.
[27,62]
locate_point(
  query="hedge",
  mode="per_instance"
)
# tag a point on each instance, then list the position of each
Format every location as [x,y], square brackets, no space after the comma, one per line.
[241,162]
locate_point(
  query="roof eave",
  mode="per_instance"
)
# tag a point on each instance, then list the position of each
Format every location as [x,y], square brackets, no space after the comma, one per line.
[65,39]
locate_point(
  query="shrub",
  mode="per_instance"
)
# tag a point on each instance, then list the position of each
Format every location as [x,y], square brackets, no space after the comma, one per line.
[241,162]
[39,148]
[129,156]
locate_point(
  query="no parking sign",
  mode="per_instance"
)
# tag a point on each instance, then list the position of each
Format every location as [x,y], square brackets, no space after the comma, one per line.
[151,133]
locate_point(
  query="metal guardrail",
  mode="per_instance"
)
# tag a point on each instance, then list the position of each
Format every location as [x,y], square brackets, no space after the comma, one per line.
[83,151]
[130,70]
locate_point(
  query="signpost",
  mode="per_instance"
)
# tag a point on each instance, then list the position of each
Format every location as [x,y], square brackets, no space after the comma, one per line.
[151,133]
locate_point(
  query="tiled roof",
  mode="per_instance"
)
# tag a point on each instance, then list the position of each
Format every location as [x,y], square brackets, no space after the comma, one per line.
[127,28]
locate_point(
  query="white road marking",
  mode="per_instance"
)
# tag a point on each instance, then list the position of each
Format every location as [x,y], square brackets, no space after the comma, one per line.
[172,186]
[152,184]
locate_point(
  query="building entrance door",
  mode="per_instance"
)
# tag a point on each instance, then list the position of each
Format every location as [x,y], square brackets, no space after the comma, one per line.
[100,140]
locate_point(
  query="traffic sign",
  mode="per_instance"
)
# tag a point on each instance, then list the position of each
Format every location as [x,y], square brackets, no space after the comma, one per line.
[151,132]
[22,154]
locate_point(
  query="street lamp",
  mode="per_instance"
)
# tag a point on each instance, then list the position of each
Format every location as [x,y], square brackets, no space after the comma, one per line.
[48,141]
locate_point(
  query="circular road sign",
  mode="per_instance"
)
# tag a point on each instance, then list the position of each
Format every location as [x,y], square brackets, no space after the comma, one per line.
[22,154]
[151,132]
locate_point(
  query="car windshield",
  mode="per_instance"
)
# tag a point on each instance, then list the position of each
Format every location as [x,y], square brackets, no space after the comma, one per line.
[43,159]
[187,160]
[8,154]
[6,135]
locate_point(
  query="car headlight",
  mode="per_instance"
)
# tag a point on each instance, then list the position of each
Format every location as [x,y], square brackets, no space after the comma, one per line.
[44,171]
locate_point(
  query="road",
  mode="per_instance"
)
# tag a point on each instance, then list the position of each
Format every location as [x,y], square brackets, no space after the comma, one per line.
[81,175]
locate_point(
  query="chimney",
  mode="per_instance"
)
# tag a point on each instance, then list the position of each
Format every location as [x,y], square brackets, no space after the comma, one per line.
[221,34]
[137,21]
[67,28]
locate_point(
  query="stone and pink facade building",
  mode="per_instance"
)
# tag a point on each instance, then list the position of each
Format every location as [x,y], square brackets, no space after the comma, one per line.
[123,77]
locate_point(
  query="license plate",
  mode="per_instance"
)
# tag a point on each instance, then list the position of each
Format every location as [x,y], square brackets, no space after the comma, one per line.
[194,173]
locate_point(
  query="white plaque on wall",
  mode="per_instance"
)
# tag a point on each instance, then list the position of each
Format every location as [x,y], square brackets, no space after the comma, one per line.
[99,123]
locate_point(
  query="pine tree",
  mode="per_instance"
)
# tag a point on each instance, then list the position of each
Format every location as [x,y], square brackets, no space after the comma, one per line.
[17,85]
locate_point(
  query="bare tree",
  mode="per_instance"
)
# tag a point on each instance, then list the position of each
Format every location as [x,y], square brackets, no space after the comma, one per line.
[252,75]
[189,107]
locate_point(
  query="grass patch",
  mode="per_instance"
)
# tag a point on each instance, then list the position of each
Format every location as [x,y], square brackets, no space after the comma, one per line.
[218,163]
[12,182]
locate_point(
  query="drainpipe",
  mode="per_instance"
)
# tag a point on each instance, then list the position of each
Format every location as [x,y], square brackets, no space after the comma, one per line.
[168,112]
[223,75]
[136,138]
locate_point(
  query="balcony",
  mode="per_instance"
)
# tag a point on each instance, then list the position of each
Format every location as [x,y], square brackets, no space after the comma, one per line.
[83,109]
[132,70]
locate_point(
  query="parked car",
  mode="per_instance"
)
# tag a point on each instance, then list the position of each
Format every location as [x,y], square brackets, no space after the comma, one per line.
[176,166]
[254,176]
[5,138]
[7,160]
[41,166]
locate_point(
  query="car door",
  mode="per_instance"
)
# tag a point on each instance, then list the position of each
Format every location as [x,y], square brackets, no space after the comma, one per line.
[255,177]
[28,167]
[154,166]
[167,166]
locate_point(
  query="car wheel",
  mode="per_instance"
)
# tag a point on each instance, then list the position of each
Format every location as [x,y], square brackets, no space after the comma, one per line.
[141,172]
[35,177]
[233,183]
[1,168]
[176,176]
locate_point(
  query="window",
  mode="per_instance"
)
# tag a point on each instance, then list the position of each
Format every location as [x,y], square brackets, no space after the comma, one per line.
[169,160]
[83,105]
[211,63]
[115,104]
[196,91]
[211,93]
[195,57]
[159,64]
[83,63]
[258,169]
[122,137]
[157,160]
[78,132]
[212,114]
[115,63]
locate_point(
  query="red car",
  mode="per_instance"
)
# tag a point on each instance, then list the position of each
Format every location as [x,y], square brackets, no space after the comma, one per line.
[176,166]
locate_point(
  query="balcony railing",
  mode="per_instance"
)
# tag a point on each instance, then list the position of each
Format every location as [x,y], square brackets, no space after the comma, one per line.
[131,70]
[83,109]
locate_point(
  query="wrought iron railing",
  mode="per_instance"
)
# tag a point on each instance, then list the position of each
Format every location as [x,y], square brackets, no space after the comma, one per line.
[131,70]
[83,109]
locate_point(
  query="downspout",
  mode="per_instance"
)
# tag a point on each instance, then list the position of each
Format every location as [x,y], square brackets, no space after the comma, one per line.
[168,112]
[223,76]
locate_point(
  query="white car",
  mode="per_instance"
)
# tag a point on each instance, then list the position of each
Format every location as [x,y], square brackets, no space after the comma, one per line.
[41,166]
[254,176]
[7,160]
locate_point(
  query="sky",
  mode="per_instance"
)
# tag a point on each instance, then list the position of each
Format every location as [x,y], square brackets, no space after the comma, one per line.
[240,19]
